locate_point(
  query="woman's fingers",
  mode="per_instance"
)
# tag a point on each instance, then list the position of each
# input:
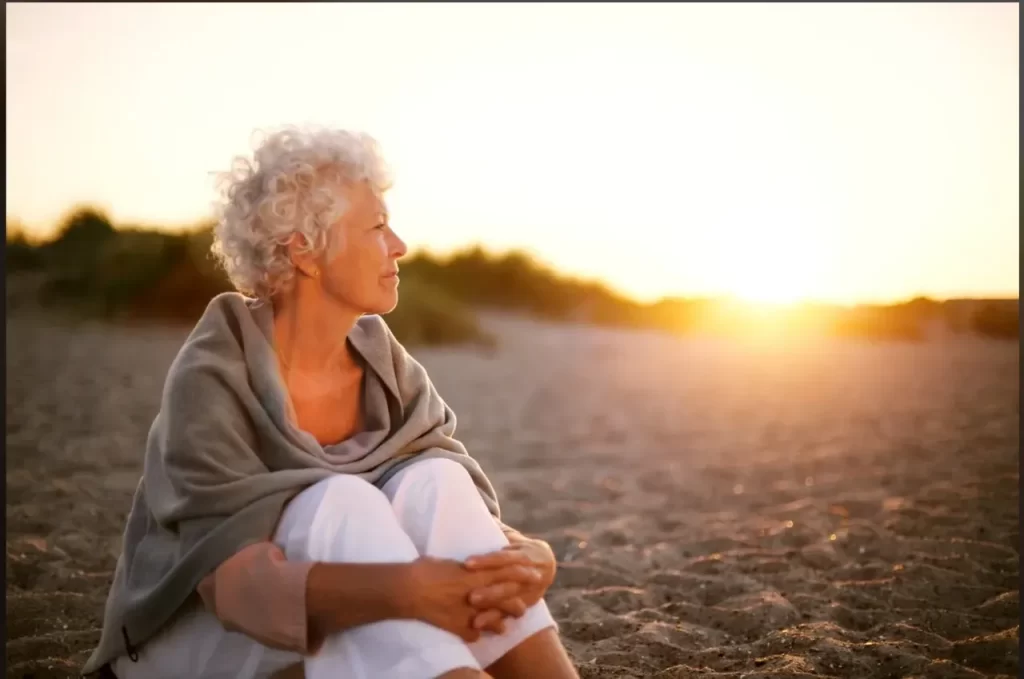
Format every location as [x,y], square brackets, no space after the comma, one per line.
[492,595]
[469,634]
[513,606]
[504,557]
[492,620]
[524,575]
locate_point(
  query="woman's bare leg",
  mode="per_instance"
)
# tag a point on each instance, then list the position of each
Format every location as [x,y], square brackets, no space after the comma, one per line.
[541,655]
[465,673]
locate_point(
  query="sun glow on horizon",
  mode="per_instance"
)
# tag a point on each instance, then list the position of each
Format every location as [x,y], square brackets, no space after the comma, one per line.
[774,153]
[772,272]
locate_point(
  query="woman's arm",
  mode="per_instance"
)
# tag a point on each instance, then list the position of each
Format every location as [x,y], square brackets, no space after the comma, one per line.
[294,605]
[344,595]
[261,594]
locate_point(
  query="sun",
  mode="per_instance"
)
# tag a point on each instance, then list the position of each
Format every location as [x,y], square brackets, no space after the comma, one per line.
[771,287]
[773,244]
[775,270]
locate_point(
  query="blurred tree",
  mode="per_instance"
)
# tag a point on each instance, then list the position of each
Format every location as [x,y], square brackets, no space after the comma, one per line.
[426,315]
[79,239]
[19,253]
[86,227]
[997,319]
[868,321]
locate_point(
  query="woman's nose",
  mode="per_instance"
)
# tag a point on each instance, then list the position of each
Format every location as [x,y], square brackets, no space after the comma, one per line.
[399,248]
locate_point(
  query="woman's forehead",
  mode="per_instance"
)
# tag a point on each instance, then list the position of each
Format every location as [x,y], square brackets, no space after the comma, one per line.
[373,202]
[362,199]
[354,193]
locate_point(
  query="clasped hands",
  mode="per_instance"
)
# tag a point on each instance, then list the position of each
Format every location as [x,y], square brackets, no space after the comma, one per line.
[533,567]
[481,593]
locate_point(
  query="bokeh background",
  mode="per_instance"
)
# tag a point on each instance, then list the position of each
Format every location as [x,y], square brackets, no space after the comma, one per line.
[725,297]
[690,155]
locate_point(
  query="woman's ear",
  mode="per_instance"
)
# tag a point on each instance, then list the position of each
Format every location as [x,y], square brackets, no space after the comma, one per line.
[301,256]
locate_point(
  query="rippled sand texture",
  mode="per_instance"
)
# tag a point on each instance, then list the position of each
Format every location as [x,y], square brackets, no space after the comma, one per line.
[845,510]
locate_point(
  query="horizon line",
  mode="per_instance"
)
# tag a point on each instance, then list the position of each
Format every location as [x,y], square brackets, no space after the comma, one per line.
[36,235]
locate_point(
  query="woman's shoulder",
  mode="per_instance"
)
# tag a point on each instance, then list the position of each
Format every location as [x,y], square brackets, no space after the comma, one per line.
[229,305]
[217,340]
[222,323]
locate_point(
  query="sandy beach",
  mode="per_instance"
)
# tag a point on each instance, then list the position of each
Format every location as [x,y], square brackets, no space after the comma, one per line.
[842,509]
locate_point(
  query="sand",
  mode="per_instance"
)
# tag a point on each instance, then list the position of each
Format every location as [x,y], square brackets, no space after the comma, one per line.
[837,510]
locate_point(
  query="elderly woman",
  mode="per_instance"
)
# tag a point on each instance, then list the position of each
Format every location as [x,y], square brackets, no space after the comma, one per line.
[304,506]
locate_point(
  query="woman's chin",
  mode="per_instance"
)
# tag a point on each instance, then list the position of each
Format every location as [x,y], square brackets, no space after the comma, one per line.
[386,304]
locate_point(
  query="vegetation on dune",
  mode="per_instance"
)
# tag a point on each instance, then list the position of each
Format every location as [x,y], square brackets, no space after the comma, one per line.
[137,274]
[427,315]
[997,319]
[514,281]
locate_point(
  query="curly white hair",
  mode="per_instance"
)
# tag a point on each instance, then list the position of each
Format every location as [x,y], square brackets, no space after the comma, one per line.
[289,187]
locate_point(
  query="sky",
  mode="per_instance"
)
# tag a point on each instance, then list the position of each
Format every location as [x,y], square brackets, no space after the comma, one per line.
[837,152]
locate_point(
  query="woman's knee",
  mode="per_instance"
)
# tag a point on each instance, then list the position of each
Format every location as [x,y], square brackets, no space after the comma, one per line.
[340,510]
[342,488]
[441,473]
[341,494]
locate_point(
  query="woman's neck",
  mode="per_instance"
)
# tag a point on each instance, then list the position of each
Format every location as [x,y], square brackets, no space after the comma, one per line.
[310,330]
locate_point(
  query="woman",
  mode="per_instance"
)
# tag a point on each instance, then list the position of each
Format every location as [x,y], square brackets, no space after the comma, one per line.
[304,507]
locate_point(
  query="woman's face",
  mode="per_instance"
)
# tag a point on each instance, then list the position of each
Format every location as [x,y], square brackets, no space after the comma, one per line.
[359,269]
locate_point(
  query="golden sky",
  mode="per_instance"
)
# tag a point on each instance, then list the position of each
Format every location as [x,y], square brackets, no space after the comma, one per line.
[828,151]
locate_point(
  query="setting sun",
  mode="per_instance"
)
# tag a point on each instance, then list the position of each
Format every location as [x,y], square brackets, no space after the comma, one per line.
[774,249]
[774,273]
[844,153]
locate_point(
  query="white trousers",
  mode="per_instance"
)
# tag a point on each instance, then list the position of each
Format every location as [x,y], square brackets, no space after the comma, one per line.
[429,508]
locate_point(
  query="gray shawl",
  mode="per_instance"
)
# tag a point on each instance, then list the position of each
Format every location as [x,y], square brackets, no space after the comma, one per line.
[222,459]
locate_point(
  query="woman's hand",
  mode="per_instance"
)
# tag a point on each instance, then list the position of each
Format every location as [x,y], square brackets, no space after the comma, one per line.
[512,598]
[437,591]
